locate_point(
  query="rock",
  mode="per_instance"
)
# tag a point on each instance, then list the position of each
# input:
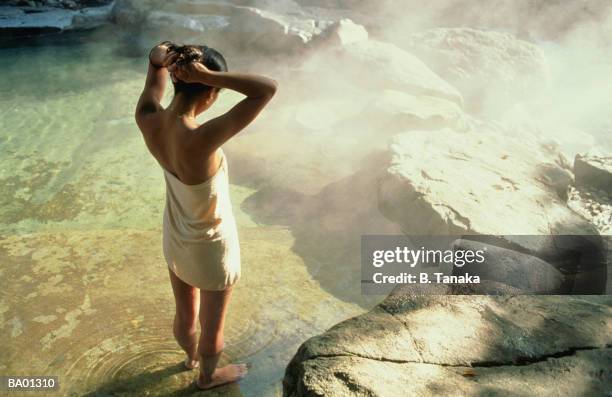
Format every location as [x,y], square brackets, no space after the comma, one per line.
[561,273]
[272,32]
[383,65]
[17,22]
[492,70]
[594,172]
[189,23]
[555,176]
[392,112]
[376,66]
[594,206]
[344,32]
[310,132]
[460,345]
[89,18]
[73,4]
[483,182]
[131,14]
[376,116]
[265,27]
[305,137]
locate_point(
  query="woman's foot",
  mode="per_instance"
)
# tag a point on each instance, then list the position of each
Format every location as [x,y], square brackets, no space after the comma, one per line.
[221,376]
[191,364]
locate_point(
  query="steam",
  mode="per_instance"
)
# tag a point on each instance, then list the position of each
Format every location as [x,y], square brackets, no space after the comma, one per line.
[313,155]
[570,106]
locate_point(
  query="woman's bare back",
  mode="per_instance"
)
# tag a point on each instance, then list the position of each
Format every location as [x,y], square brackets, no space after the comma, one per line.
[173,146]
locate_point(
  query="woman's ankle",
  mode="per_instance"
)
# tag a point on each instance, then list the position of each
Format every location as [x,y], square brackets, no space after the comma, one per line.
[208,365]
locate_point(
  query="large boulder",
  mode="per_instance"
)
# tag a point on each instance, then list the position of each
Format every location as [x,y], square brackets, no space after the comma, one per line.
[461,345]
[490,181]
[504,188]
[253,26]
[377,65]
[491,69]
[563,272]
[272,32]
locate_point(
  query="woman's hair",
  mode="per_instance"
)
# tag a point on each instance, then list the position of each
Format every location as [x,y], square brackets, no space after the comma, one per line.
[208,56]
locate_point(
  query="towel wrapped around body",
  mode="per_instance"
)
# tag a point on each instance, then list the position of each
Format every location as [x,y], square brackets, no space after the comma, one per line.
[200,237]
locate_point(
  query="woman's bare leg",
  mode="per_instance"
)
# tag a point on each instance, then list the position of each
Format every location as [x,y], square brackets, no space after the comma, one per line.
[213,308]
[187,299]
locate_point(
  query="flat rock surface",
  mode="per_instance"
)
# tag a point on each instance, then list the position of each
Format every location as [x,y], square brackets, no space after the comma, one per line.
[51,19]
[489,181]
[480,63]
[463,345]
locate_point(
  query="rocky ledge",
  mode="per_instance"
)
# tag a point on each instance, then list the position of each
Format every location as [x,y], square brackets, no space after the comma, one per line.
[462,346]
[32,18]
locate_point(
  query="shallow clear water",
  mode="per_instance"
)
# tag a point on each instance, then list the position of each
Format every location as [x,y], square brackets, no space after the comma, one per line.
[85,291]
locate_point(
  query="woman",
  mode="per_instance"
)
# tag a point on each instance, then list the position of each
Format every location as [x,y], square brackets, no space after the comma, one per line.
[200,240]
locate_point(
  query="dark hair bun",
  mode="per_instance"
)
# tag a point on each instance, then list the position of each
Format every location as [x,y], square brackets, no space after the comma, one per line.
[187,54]
[208,56]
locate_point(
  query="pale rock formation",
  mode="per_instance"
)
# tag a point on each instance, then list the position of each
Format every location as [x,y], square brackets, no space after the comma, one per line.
[191,23]
[34,20]
[541,116]
[344,32]
[320,127]
[461,345]
[376,66]
[383,65]
[491,69]
[271,31]
[490,181]
[262,26]
[393,111]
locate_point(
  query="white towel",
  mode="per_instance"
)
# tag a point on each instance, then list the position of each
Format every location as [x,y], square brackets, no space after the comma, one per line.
[200,237]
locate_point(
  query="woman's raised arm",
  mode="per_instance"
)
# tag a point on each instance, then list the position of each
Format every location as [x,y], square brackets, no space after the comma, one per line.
[259,90]
[149,102]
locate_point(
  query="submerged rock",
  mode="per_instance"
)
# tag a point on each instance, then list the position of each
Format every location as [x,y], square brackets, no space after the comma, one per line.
[460,345]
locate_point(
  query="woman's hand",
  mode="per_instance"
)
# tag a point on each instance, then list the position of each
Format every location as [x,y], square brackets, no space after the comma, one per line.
[160,56]
[192,72]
